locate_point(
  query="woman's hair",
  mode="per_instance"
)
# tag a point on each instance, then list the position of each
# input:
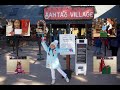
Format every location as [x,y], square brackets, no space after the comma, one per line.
[14,22]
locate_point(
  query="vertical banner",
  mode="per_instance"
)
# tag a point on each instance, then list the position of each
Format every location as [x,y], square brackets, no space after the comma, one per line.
[67,41]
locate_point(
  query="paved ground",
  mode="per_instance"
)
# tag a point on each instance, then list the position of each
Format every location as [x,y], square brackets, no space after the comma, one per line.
[39,75]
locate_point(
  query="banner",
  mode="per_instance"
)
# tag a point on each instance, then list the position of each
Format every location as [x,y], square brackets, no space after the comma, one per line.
[68,13]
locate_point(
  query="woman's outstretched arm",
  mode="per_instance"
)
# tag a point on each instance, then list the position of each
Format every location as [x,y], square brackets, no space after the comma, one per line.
[44,44]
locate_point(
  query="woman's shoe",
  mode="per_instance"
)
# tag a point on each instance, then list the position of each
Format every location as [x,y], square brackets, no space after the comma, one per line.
[67,79]
[53,81]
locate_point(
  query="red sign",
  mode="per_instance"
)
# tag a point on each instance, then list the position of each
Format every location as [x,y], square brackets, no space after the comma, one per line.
[68,13]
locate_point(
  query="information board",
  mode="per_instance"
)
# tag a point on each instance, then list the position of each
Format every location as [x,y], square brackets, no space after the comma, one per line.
[67,41]
[81,53]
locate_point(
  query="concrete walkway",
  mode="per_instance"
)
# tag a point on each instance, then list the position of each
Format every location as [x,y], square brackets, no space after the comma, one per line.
[39,75]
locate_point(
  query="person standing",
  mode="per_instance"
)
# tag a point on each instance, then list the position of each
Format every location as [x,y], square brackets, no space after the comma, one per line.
[118,47]
[105,41]
[52,61]
[114,46]
[58,33]
[98,44]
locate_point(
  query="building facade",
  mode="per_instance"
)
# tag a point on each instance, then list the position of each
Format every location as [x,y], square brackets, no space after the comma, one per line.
[36,12]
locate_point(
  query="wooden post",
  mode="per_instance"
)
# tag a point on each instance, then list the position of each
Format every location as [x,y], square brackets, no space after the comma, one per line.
[68,56]
[68,62]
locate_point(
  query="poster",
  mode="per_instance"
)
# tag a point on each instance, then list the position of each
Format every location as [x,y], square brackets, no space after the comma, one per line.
[67,41]
[18,27]
[104,27]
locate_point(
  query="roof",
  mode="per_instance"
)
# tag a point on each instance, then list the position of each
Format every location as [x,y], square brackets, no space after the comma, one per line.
[36,12]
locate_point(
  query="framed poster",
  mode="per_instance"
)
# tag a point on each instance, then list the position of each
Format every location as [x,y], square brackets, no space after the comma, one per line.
[104,27]
[67,41]
[18,27]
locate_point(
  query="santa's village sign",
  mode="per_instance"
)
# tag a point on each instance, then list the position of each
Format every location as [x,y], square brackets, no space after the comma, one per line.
[68,13]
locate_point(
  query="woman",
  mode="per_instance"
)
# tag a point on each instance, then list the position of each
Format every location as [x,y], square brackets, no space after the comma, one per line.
[16,25]
[114,46]
[98,44]
[52,61]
